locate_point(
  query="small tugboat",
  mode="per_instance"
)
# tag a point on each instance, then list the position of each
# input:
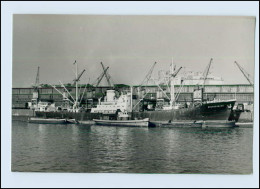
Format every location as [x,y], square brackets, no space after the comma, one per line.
[115,112]
[127,123]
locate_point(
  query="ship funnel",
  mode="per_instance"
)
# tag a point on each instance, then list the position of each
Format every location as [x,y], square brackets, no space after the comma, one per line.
[110,95]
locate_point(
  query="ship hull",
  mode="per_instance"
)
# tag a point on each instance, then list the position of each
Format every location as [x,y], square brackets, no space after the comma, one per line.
[47,121]
[182,114]
[208,111]
[79,116]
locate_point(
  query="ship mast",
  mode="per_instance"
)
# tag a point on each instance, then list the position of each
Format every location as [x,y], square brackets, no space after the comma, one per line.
[173,74]
[172,85]
[131,100]
[76,85]
[37,83]
[75,106]
[76,80]
[35,97]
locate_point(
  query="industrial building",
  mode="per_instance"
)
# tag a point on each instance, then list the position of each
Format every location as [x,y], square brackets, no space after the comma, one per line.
[244,93]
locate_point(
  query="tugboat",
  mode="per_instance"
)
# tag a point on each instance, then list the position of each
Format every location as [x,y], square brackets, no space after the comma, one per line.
[125,123]
[117,112]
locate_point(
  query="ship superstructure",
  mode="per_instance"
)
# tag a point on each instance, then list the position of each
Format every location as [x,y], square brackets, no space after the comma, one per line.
[112,105]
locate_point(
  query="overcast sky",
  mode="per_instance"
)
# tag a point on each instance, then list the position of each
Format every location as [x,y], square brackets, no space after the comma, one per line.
[129,45]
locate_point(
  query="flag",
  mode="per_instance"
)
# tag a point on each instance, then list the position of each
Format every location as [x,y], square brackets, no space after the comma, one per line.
[74,62]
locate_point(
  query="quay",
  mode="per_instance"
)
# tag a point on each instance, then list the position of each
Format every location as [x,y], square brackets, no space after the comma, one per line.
[245,121]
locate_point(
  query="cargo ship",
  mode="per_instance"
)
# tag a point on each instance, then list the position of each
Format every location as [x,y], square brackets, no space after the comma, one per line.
[111,107]
[209,110]
[200,109]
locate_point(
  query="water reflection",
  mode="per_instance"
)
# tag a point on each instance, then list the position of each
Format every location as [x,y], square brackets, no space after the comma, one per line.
[80,148]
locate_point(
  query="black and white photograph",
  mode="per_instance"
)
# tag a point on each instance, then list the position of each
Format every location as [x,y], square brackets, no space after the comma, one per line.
[150,94]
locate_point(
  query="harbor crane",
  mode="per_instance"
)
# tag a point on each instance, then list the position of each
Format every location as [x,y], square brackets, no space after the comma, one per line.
[247,76]
[206,72]
[79,76]
[106,74]
[148,75]
[145,81]
[175,73]
[99,79]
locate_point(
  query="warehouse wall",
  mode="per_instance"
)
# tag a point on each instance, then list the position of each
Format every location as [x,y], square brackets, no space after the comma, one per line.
[243,93]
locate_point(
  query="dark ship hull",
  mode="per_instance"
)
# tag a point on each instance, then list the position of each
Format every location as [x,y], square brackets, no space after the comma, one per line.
[221,110]
[80,116]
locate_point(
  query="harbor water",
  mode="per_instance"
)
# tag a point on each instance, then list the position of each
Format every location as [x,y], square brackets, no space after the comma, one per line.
[101,149]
